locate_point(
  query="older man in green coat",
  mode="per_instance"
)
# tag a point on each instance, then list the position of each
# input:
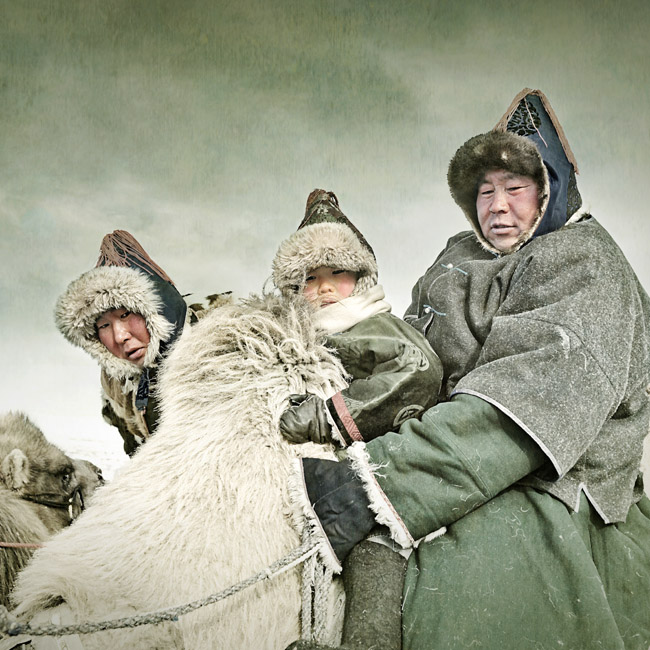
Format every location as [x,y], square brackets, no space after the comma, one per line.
[520,493]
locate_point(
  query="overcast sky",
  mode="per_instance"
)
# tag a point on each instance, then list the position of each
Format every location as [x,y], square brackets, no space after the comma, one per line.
[201,126]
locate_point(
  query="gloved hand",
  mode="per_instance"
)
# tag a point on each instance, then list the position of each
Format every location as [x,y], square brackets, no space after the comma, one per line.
[339,504]
[306,420]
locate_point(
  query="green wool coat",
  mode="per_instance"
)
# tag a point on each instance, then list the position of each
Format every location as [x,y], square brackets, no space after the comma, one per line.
[532,462]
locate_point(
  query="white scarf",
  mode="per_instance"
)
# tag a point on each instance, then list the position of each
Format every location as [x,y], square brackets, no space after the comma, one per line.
[342,315]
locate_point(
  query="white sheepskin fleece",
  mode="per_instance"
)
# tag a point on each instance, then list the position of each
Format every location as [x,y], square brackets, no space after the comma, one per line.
[203,504]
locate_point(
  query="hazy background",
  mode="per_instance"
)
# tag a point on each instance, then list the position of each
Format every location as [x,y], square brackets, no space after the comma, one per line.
[201,126]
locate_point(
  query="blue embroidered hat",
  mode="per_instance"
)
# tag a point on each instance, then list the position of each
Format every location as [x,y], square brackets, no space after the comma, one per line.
[531,116]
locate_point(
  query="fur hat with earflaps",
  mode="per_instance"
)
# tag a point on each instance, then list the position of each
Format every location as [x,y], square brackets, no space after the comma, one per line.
[528,141]
[124,277]
[325,237]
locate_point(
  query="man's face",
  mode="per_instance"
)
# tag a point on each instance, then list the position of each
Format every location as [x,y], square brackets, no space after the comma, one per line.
[325,285]
[124,334]
[507,206]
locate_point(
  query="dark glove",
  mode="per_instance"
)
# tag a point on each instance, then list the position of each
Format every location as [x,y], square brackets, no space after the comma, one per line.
[306,420]
[339,502]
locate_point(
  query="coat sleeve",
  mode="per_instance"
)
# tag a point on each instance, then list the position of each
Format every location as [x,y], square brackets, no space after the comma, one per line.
[395,375]
[461,454]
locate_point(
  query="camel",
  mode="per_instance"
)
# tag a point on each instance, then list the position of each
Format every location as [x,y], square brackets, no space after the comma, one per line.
[41,491]
[204,504]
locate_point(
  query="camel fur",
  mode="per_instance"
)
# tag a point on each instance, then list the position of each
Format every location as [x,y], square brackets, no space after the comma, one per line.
[30,466]
[204,504]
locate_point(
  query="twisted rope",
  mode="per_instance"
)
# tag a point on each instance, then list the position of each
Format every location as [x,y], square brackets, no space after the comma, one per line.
[11,626]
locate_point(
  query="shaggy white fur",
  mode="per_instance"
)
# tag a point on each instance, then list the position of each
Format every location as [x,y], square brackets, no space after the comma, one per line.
[204,504]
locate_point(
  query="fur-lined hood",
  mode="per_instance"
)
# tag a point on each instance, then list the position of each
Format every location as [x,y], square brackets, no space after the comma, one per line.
[323,244]
[113,287]
[487,152]
[325,237]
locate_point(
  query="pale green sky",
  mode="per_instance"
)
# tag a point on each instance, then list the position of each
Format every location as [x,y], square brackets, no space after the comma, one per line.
[201,126]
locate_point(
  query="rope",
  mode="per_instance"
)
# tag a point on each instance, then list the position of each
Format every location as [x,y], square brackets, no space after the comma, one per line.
[11,626]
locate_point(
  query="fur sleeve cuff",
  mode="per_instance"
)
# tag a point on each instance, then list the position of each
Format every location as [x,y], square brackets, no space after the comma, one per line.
[379,502]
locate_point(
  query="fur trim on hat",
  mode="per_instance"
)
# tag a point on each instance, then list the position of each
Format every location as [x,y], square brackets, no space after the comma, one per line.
[495,151]
[322,244]
[97,291]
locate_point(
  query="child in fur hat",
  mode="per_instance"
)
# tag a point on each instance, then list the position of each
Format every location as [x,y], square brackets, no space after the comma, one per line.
[394,375]
[394,372]
[126,313]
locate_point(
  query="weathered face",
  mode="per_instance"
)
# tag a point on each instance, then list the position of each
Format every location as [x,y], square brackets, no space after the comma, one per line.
[506,206]
[326,285]
[124,334]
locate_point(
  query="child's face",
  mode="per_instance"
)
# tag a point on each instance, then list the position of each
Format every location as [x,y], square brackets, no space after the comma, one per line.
[124,334]
[326,285]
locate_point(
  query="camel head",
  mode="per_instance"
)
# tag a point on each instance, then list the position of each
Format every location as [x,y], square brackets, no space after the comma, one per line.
[37,471]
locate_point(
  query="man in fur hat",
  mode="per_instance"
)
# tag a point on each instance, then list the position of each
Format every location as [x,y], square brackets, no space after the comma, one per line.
[393,374]
[126,313]
[531,459]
